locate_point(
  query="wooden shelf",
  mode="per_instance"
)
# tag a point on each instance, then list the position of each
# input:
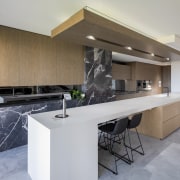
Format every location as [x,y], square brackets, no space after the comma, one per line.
[111,36]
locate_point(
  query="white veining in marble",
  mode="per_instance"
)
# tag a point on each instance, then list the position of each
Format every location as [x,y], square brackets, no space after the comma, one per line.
[16,117]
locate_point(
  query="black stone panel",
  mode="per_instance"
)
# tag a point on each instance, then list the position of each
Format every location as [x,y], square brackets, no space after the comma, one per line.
[14,121]
[98,82]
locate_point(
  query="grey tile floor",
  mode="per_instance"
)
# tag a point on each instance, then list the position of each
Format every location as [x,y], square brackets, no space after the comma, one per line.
[159,163]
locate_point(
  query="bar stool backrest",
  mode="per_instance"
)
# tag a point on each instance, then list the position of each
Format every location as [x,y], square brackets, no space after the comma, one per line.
[120,126]
[135,121]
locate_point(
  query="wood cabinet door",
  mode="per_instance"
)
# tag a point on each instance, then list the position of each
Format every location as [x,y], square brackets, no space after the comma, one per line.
[147,71]
[29,59]
[47,62]
[70,63]
[121,72]
[9,57]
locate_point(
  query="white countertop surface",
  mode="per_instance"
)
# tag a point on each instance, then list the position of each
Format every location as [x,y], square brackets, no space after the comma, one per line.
[99,113]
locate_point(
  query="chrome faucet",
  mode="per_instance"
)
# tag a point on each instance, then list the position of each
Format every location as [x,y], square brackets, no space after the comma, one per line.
[64,107]
[63,115]
[167,90]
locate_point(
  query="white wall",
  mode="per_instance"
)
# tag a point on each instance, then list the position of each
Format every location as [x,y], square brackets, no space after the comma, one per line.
[175,76]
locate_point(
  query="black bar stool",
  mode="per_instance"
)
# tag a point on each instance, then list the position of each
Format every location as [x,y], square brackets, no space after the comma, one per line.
[132,124]
[114,132]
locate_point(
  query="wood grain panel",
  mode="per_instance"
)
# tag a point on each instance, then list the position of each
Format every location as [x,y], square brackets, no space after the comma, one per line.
[121,72]
[170,111]
[151,123]
[29,59]
[3,60]
[70,63]
[171,125]
[161,121]
[9,57]
[47,62]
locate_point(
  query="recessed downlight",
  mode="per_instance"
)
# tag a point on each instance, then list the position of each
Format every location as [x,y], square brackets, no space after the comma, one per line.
[128,47]
[90,37]
[152,54]
[168,59]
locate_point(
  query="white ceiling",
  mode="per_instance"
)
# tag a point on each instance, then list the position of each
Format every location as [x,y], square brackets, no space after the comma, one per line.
[153,18]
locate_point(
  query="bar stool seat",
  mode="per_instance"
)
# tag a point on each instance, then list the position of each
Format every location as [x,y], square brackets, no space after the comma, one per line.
[113,132]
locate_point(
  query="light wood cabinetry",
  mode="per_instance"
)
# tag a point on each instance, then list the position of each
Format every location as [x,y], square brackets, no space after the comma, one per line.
[71,62]
[29,59]
[143,71]
[9,58]
[161,121]
[121,72]
[47,62]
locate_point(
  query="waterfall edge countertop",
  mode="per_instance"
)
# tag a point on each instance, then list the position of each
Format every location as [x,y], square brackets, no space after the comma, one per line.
[67,148]
[105,111]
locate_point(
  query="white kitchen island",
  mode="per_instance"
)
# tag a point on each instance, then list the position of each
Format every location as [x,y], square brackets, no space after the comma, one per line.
[67,149]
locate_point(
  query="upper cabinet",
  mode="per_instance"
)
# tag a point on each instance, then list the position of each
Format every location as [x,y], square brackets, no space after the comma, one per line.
[136,71]
[121,72]
[143,71]
[9,57]
[70,63]
[29,59]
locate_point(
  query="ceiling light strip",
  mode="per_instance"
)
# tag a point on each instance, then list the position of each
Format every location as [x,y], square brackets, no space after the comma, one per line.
[130,48]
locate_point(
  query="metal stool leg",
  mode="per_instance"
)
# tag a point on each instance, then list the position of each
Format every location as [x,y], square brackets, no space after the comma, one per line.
[134,149]
[142,153]
[130,147]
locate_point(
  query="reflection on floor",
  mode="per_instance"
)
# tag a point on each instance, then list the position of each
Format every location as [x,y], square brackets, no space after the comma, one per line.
[161,162]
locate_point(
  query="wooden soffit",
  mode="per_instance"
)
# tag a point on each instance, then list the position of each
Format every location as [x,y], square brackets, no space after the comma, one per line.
[111,36]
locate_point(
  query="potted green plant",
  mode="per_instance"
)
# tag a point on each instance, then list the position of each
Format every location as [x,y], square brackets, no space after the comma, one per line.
[77,94]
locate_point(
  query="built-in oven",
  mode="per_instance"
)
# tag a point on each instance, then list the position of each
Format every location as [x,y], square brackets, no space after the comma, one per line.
[144,85]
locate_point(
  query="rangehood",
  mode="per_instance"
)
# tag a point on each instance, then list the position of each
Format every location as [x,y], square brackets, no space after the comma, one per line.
[108,34]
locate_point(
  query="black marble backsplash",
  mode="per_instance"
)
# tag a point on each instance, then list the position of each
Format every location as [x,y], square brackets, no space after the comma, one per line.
[14,121]
[98,75]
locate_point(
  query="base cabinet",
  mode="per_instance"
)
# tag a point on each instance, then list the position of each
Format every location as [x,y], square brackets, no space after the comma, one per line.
[161,121]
